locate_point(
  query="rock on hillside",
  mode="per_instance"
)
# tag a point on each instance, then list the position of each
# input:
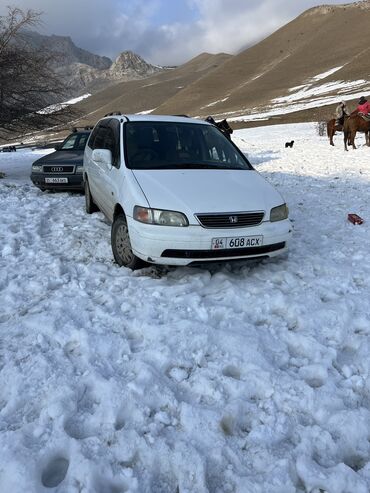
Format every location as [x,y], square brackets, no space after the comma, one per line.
[129,65]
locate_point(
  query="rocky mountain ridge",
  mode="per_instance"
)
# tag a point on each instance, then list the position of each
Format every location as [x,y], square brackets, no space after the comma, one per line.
[68,52]
[86,72]
[326,9]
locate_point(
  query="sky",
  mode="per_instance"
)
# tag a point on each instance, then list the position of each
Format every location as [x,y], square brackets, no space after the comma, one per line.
[165,32]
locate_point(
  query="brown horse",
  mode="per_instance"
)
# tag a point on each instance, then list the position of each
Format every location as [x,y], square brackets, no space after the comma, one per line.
[331,127]
[355,123]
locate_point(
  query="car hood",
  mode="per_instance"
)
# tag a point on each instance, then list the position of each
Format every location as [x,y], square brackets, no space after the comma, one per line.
[62,157]
[203,191]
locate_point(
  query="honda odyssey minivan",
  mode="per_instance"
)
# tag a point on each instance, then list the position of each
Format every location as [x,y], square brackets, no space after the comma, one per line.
[177,191]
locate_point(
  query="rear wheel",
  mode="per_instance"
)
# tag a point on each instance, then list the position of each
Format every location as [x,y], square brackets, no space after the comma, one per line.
[121,245]
[90,205]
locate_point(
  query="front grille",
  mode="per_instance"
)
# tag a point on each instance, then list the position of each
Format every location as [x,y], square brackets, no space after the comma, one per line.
[233,252]
[58,169]
[231,219]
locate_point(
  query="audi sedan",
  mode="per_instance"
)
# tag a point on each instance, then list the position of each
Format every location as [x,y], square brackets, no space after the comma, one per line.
[62,169]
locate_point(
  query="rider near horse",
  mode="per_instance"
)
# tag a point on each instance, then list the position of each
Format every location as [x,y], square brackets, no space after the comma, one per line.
[359,121]
[336,124]
[363,108]
[341,112]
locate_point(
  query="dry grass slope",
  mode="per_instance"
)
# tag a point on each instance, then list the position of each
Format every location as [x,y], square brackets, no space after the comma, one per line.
[316,41]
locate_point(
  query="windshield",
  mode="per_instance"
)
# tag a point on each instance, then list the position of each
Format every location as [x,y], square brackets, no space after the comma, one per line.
[171,145]
[75,142]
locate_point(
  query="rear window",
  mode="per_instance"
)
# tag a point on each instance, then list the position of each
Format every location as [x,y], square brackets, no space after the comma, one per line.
[75,142]
[171,145]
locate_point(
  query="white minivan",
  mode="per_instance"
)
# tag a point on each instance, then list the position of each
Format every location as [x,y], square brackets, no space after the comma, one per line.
[178,192]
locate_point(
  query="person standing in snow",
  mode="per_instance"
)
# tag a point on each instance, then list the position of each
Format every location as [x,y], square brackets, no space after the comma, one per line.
[341,112]
[363,108]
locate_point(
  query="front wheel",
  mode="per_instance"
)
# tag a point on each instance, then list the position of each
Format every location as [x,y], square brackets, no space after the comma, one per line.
[121,245]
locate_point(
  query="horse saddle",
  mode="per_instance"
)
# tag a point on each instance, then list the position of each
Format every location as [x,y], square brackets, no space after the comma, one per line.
[365,117]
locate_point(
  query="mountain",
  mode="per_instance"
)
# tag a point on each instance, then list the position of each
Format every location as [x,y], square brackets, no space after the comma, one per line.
[69,53]
[86,72]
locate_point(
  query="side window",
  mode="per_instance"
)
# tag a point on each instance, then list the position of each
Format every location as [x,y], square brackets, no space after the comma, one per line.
[92,137]
[114,125]
[101,140]
[106,136]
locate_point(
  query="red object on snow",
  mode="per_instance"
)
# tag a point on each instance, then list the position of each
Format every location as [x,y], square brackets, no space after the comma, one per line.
[355,219]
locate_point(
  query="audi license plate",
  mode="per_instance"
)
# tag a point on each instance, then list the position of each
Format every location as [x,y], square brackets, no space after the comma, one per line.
[237,242]
[56,180]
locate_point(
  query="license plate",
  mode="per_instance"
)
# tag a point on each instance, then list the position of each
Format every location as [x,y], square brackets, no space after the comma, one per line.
[236,242]
[56,180]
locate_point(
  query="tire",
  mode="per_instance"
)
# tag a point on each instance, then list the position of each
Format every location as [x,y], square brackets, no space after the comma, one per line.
[90,205]
[121,245]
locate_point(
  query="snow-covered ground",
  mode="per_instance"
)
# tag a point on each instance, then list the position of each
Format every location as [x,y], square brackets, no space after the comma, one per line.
[59,106]
[230,378]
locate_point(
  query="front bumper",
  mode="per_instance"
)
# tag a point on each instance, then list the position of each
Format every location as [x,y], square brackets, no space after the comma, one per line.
[183,246]
[75,181]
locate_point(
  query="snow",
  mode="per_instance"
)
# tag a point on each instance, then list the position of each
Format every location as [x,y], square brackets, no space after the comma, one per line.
[215,102]
[304,99]
[59,106]
[146,112]
[242,378]
[323,89]
[323,75]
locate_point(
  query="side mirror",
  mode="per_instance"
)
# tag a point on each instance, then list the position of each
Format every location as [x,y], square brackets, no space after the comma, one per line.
[58,147]
[102,156]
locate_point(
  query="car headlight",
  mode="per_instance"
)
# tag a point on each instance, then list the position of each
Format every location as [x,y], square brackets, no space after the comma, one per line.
[159,217]
[79,169]
[37,167]
[279,213]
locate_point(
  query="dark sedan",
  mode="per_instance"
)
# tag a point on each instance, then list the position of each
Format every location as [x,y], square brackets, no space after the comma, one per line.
[62,170]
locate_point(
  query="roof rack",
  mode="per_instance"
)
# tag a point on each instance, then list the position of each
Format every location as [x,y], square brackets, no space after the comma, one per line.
[77,129]
[113,113]
[184,116]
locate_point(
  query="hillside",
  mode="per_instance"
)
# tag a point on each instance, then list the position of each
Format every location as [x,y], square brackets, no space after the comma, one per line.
[148,94]
[318,58]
